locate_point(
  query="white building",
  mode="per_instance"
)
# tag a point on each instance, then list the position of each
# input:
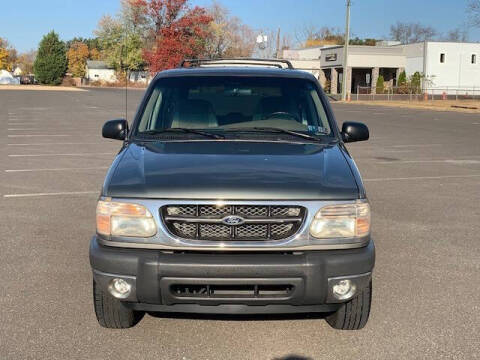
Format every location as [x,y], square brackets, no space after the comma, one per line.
[99,71]
[446,66]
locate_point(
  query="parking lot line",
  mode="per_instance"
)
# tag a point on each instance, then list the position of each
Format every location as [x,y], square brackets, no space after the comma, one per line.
[446,161]
[57,169]
[19,129]
[415,145]
[39,135]
[423,178]
[51,194]
[66,143]
[67,154]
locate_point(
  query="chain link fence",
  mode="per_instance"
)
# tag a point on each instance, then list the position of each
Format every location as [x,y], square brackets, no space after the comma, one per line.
[404,93]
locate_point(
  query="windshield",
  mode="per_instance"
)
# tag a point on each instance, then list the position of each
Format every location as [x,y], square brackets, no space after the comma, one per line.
[234,104]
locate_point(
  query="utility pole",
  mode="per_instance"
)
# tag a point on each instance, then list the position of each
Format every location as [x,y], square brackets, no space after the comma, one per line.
[345,51]
[278,45]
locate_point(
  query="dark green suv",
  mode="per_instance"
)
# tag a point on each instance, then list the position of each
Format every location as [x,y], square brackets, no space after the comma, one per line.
[233,193]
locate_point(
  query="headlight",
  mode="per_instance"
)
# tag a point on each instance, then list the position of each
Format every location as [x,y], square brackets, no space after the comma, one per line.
[341,221]
[124,219]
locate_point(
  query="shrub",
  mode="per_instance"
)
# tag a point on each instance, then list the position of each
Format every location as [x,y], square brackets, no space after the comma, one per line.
[51,62]
[380,85]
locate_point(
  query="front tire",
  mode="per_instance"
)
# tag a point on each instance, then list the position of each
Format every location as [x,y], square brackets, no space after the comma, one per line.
[353,315]
[111,313]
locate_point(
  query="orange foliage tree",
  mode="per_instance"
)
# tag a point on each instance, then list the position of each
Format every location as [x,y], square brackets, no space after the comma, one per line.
[175,31]
[77,58]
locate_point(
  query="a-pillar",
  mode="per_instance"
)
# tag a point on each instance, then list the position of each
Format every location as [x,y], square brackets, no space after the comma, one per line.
[375,74]
[334,81]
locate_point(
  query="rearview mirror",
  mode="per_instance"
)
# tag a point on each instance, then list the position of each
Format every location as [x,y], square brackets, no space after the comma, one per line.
[115,129]
[354,131]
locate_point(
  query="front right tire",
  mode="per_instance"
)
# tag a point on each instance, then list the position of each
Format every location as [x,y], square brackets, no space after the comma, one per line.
[353,315]
[111,313]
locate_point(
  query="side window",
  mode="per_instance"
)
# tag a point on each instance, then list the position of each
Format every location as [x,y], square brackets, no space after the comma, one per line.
[152,110]
[474,59]
[442,58]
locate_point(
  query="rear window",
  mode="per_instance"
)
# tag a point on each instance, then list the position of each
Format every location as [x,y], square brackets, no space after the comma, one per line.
[226,103]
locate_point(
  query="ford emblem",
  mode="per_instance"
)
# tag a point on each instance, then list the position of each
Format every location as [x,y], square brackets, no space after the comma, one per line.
[233,220]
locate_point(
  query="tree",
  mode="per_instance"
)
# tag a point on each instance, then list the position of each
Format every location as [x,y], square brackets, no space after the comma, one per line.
[120,48]
[51,63]
[25,61]
[380,85]
[474,12]
[402,79]
[365,42]
[77,58]
[8,55]
[3,55]
[416,82]
[228,37]
[179,32]
[408,33]
[457,35]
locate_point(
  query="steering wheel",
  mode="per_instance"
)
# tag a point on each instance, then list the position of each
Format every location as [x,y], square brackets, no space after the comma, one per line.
[281,113]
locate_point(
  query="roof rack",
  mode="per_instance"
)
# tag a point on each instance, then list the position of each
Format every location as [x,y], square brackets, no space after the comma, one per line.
[279,63]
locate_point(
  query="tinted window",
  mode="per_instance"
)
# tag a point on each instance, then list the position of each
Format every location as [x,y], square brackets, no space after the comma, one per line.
[225,103]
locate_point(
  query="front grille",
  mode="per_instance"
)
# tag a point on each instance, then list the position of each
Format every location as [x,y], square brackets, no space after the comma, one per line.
[250,222]
[246,291]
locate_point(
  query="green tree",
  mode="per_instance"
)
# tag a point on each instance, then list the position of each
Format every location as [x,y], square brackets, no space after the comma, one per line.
[416,83]
[120,47]
[402,79]
[380,85]
[51,62]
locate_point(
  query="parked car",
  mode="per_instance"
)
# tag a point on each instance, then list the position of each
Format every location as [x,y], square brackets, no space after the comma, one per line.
[233,193]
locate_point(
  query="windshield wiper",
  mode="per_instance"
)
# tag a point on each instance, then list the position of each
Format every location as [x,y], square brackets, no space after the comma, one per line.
[277,130]
[185,130]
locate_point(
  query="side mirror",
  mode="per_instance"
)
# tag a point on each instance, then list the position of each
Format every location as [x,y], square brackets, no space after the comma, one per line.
[354,131]
[115,129]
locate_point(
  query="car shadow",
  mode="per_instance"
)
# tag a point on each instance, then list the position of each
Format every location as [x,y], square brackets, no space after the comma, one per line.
[240,317]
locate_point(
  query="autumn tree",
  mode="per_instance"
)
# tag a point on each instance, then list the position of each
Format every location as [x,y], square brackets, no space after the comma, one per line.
[25,61]
[51,62]
[3,54]
[176,31]
[8,55]
[228,36]
[77,58]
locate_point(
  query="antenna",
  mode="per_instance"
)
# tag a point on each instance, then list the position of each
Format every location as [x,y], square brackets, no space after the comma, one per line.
[124,66]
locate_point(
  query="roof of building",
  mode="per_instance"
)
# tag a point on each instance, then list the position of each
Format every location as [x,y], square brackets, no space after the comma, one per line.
[98,64]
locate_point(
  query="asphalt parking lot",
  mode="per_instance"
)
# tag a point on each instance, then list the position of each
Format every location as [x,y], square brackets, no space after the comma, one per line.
[422,174]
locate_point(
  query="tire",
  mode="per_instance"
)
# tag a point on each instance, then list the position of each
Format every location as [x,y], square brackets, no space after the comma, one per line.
[353,315]
[111,313]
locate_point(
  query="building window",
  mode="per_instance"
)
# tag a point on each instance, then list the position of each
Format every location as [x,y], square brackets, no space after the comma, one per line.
[474,59]
[442,58]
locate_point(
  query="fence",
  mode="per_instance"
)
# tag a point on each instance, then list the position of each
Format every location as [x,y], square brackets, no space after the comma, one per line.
[417,94]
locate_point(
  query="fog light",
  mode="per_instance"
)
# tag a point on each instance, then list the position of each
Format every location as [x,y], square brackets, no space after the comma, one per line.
[344,289]
[119,288]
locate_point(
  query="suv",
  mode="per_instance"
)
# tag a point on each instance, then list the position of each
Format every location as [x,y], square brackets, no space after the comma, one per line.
[233,193]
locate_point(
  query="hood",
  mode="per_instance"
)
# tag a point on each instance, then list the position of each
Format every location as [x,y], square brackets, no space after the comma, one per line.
[232,170]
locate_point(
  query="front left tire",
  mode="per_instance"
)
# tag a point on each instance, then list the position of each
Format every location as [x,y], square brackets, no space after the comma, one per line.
[111,313]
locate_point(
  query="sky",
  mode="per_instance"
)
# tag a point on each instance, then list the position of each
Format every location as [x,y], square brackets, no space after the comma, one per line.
[23,24]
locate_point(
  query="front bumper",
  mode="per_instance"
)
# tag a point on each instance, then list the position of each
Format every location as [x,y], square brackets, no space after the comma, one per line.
[154,276]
